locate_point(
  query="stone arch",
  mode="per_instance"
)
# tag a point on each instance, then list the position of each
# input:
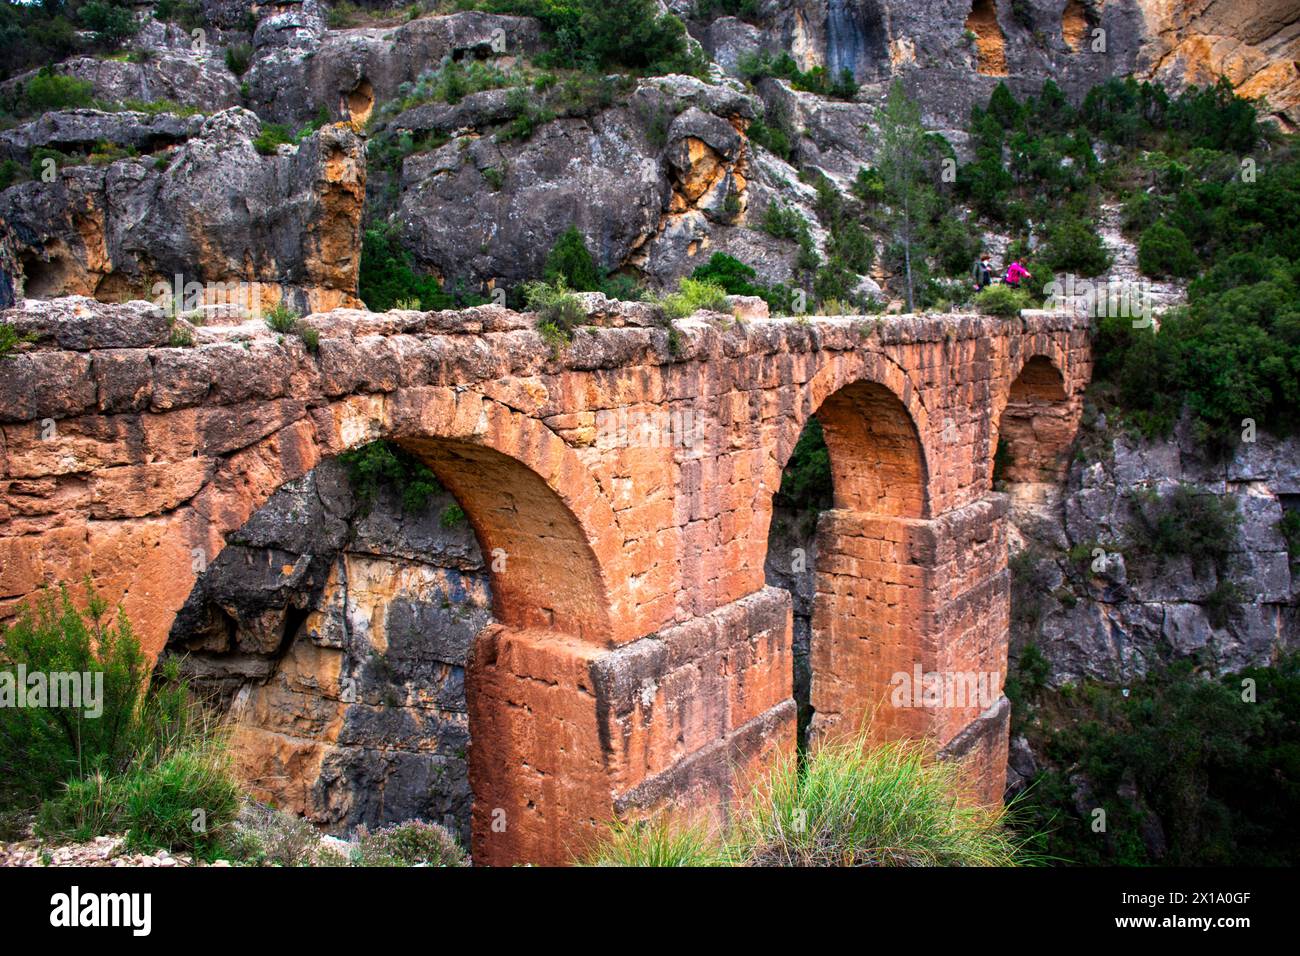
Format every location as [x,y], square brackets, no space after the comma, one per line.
[857,606]
[877,462]
[532,507]
[556,582]
[990,42]
[864,378]
[455,433]
[1034,427]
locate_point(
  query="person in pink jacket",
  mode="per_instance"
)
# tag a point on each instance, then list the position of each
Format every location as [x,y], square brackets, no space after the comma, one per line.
[1016,272]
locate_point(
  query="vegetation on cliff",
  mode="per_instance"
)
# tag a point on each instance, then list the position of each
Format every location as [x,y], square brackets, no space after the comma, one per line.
[1176,769]
[140,755]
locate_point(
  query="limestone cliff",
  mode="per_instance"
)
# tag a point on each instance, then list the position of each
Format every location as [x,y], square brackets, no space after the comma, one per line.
[657,174]
[205,205]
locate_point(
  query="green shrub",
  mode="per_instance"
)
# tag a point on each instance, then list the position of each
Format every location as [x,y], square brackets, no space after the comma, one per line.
[1002,300]
[843,804]
[10,171]
[736,278]
[10,339]
[1075,246]
[956,246]
[635,34]
[284,320]
[382,464]
[271,137]
[188,801]
[110,22]
[853,805]
[559,311]
[238,58]
[48,91]
[88,807]
[1165,250]
[784,222]
[1184,522]
[692,296]
[387,277]
[570,261]
[41,747]
[775,138]
[758,65]
[1188,771]
[659,841]
[413,843]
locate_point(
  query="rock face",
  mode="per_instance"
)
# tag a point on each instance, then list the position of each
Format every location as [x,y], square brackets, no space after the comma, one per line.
[181,76]
[1116,618]
[950,55]
[1255,43]
[657,174]
[386,601]
[212,211]
[301,67]
[80,131]
[654,206]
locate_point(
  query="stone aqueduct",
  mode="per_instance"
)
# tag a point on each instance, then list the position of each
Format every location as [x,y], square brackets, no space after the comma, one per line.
[637,660]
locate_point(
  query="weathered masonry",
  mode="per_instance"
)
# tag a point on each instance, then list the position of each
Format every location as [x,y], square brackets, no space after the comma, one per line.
[621,490]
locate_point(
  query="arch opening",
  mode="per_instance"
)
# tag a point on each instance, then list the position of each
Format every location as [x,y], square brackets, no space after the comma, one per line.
[338,628]
[1035,429]
[857,470]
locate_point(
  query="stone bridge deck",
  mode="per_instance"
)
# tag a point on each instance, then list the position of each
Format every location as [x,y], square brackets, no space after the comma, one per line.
[622,491]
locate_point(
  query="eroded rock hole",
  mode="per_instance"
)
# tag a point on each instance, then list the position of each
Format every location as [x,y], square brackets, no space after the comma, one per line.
[361,102]
[990,43]
[1076,20]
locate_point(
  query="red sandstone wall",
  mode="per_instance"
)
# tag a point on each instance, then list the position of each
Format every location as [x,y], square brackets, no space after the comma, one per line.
[130,462]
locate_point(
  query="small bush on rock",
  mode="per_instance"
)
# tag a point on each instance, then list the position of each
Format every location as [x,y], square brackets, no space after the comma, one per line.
[413,843]
[691,296]
[559,311]
[1002,300]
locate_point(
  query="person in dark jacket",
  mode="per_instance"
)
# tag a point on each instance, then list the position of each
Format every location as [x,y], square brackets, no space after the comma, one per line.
[982,274]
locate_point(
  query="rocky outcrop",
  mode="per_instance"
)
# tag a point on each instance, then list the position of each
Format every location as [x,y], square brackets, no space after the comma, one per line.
[336,632]
[1116,615]
[1255,43]
[211,210]
[181,76]
[82,131]
[300,67]
[656,183]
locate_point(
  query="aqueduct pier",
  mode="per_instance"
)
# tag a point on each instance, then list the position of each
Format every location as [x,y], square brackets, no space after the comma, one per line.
[622,486]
